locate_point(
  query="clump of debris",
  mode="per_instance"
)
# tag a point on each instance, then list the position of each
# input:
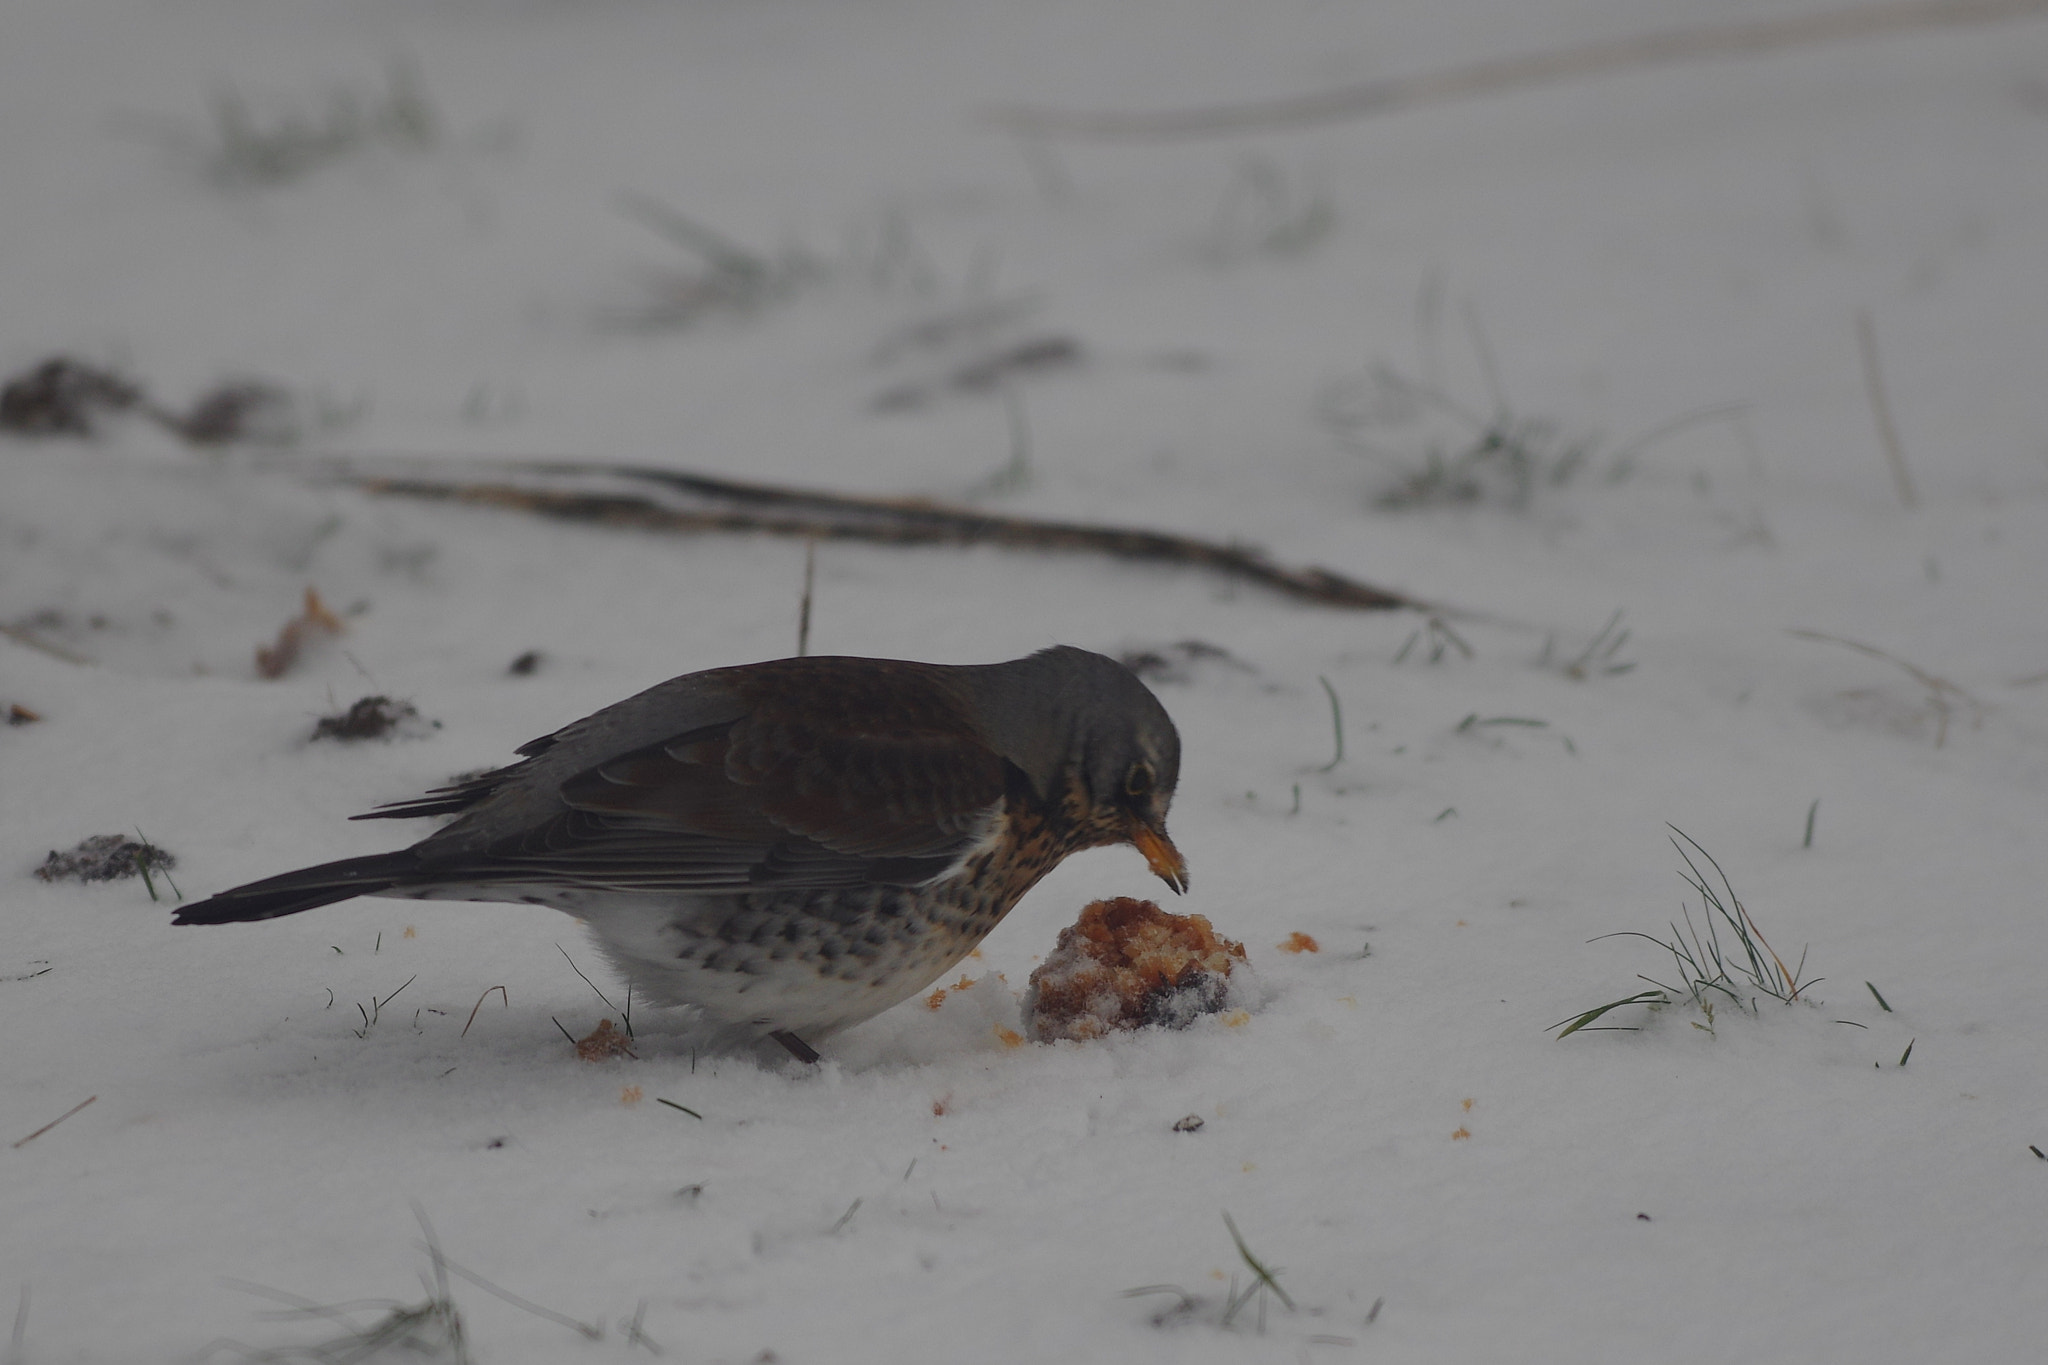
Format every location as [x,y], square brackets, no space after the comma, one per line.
[65,396]
[62,396]
[105,858]
[371,718]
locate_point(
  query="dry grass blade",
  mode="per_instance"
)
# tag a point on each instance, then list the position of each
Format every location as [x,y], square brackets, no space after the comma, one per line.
[1941,693]
[1515,73]
[55,1121]
[480,1004]
[625,1015]
[1881,411]
[635,1336]
[443,1267]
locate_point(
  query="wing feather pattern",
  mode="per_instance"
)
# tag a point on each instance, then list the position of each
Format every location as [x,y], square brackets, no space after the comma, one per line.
[880,779]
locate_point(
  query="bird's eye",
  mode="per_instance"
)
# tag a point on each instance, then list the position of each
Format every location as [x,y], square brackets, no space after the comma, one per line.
[1139,780]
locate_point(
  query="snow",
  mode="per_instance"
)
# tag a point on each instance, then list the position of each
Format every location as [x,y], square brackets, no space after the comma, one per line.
[1399,1128]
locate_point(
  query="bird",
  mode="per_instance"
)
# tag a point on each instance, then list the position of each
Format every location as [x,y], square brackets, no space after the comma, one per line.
[793,846]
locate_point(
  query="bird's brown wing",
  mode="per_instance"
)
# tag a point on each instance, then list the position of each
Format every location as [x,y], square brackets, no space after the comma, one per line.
[877,776]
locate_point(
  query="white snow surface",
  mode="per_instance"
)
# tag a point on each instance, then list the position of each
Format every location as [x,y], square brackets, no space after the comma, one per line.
[1396,1127]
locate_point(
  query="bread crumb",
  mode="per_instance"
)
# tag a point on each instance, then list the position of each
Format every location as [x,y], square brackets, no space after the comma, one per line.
[1298,942]
[605,1042]
[1124,964]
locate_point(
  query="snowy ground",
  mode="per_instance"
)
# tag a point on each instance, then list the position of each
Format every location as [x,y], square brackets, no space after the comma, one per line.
[1395,1127]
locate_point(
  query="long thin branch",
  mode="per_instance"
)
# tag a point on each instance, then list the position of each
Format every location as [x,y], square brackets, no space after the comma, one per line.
[1513,73]
[678,501]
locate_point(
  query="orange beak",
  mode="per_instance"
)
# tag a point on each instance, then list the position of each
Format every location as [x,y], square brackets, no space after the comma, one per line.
[1164,858]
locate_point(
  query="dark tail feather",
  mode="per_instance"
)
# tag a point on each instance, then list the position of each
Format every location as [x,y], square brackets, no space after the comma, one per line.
[306,889]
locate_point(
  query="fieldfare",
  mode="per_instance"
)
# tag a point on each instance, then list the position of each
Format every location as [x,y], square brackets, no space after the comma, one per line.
[790,847]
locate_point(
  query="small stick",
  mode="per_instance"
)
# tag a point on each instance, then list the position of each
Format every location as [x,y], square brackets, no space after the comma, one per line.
[847,1217]
[688,1110]
[480,1004]
[1882,1003]
[679,501]
[1811,811]
[55,1121]
[803,614]
[1881,409]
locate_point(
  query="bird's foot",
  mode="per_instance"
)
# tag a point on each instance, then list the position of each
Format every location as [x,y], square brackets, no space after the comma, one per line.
[798,1048]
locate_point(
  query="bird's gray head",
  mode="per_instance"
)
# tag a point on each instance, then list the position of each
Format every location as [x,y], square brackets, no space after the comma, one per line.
[1073,712]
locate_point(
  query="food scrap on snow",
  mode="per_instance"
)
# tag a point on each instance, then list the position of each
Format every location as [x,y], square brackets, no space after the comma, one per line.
[1125,964]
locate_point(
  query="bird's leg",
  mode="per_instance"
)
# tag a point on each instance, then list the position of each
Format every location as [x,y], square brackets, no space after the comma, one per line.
[798,1048]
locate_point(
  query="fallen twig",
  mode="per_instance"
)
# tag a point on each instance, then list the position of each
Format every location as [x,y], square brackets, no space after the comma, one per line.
[1513,73]
[653,499]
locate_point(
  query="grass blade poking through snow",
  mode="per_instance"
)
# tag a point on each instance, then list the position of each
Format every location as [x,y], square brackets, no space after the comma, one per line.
[1707,971]
[1579,1021]
[1263,1279]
